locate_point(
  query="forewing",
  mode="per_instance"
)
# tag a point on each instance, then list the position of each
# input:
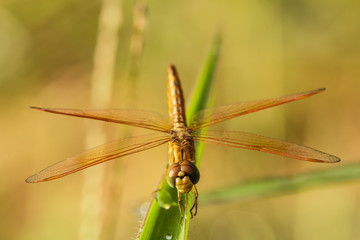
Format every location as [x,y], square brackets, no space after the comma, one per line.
[265,144]
[218,114]
[99,154]
[136,118]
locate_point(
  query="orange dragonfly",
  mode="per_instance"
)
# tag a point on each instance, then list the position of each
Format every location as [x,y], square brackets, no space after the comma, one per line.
[182,173]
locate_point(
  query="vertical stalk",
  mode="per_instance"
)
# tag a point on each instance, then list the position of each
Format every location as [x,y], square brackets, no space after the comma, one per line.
[112,223]
[100,96]
[136,49]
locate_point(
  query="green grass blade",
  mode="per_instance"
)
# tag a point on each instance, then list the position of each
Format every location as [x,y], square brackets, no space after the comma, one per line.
[201,91]
[163,218]
[279,185]
[200,100]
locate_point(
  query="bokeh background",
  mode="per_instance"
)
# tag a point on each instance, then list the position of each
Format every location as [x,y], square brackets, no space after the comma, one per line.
[269,49]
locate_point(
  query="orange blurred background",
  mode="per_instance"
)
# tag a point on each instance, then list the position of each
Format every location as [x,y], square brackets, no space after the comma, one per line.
[269,49]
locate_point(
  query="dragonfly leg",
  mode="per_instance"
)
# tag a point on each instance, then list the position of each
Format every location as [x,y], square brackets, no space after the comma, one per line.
[181,205]
[195,205]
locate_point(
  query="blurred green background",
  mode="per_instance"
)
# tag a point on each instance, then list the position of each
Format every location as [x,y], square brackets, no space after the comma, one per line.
[269,49]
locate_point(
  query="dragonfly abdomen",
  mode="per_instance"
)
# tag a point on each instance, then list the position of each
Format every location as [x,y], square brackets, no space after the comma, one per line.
[176,100]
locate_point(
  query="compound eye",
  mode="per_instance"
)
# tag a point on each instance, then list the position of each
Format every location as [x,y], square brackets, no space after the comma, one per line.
[172,173]
[191,170]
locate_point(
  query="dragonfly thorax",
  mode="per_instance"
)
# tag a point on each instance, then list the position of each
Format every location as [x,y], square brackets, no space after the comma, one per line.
[180,135]
[181,146]
[182,172]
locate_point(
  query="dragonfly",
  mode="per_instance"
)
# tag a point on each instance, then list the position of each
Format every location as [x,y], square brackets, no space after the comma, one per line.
[182,172]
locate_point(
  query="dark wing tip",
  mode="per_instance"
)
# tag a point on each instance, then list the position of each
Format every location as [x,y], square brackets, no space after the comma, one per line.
[336,159]
[316,91]
[36,108]
[30,179]
[329,159]
[43,109]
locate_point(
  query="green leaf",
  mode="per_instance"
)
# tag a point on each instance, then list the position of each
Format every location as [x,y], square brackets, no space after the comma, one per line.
[163,220]
[278,185]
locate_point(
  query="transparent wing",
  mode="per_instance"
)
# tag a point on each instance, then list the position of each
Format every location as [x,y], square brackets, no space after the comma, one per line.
[136,118]
[218,114]
[265,144]
[99,154]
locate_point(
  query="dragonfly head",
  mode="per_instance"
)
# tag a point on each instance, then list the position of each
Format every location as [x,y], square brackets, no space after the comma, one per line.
[183,176]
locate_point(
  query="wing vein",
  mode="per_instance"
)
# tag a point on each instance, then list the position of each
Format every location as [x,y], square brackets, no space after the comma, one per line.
[99,154]
[264,144]
[215,115]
